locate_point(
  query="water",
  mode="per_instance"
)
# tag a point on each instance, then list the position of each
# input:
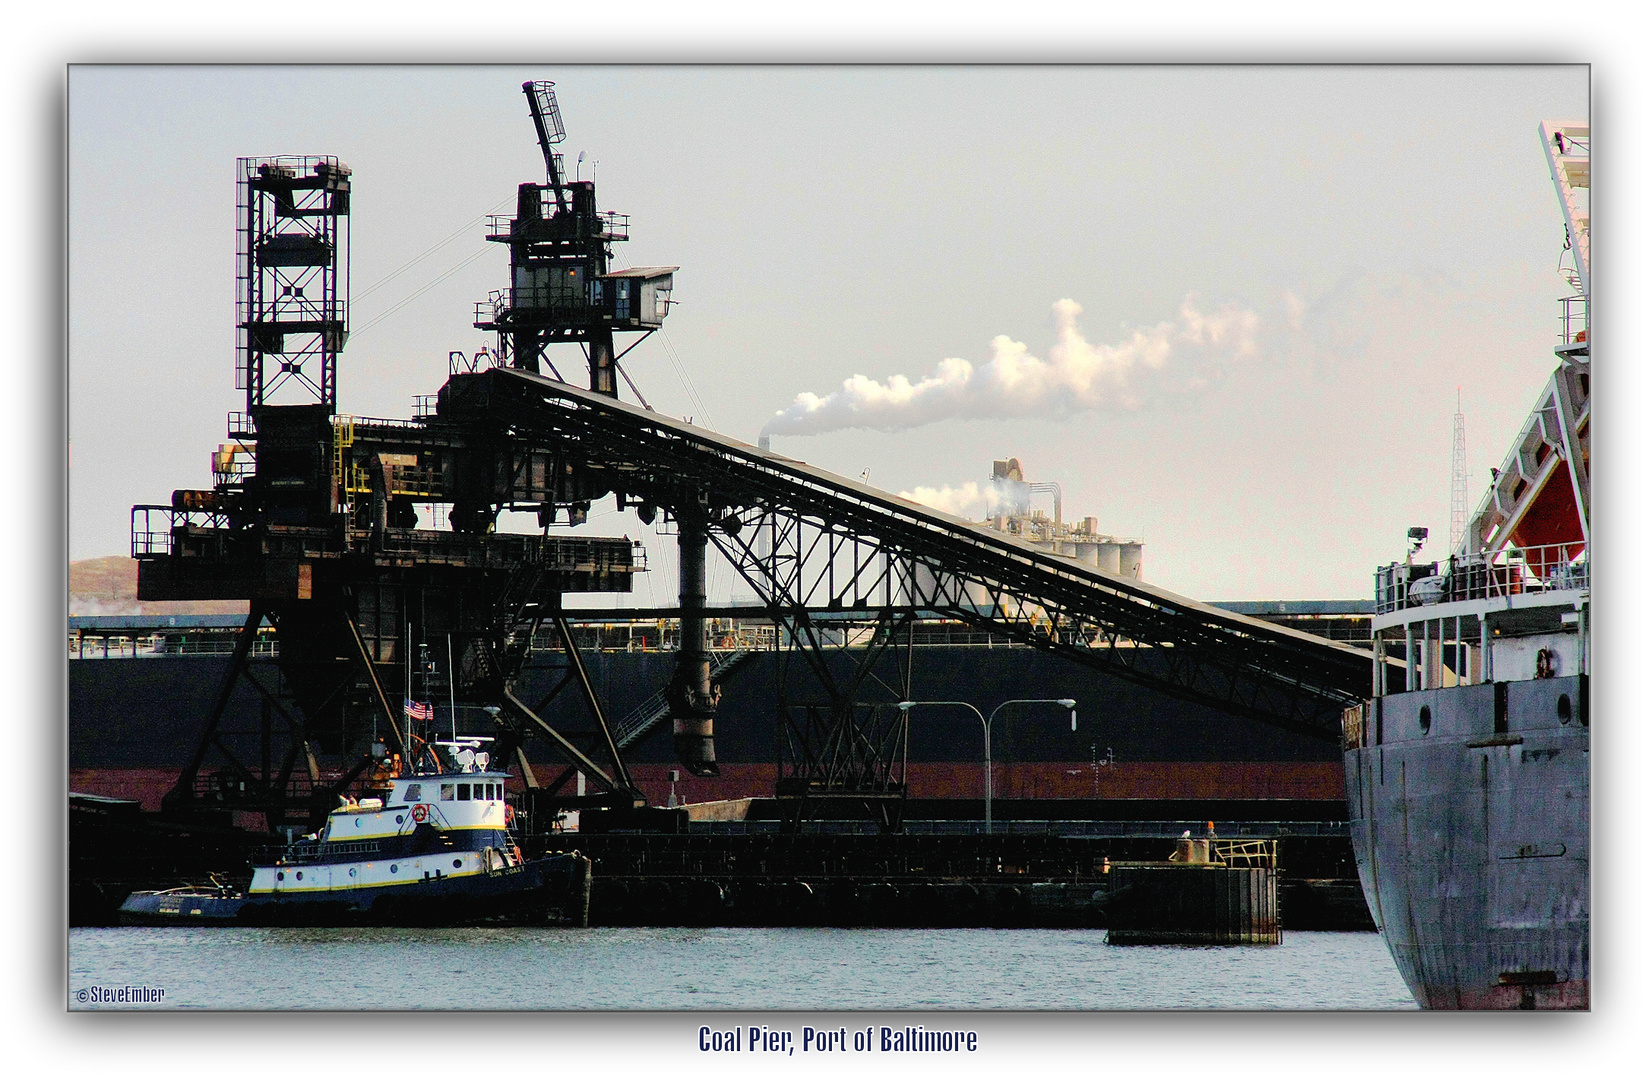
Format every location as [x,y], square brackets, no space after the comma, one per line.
[723,968]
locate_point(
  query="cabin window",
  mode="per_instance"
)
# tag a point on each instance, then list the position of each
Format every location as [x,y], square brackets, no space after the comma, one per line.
[448,792]
[414,793]
[491,789]
[462,792]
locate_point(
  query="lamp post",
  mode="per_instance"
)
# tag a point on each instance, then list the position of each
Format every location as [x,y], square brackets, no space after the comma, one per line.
[988,744]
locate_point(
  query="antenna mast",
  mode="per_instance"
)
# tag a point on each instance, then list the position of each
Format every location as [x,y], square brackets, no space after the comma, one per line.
[1459,479]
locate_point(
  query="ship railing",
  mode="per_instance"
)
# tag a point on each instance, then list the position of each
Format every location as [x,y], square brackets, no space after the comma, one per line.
[1104,830]
[312,853]
[1509,572]
[84,646]
[1573,319]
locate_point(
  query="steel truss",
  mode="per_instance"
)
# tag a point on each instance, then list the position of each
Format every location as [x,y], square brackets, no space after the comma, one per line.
[834,747]
[806,541]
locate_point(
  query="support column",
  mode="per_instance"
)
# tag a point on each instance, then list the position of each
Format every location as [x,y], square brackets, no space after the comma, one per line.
[1379,660]
[692,697]
[602,367]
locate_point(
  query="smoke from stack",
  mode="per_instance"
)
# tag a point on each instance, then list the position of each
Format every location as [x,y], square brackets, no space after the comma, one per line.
[967,501]
[1182,355]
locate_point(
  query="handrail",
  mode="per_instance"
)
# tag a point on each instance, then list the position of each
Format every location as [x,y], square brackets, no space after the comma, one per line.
[1248,853]
[654,709]
[1512,572]
[311,852]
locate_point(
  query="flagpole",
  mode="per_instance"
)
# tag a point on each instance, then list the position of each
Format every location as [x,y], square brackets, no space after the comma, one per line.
[405,651]
[451,683]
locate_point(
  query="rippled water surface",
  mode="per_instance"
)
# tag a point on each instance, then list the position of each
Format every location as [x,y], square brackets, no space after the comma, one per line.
[723,968]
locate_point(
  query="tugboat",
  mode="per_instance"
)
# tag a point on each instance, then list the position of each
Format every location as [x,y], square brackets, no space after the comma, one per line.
[1468,769]
[434,849]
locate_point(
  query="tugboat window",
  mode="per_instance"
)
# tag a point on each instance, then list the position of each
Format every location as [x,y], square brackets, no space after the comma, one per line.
[462,792]
[1425,719]
[448,792]
[414,793]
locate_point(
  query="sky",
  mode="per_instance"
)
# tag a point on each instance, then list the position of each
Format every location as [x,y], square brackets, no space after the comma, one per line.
[1228,309]
[837,223]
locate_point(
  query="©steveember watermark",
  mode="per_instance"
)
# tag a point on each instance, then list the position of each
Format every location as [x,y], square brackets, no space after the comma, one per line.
[884,1040]
[119,995]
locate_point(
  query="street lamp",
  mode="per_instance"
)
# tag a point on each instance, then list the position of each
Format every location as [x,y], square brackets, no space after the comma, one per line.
[988,744]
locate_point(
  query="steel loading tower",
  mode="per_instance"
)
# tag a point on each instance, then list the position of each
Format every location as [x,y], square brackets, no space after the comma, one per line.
[563,291]
[562,288]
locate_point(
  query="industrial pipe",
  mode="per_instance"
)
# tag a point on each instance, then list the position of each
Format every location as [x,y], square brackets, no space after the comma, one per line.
[692,696]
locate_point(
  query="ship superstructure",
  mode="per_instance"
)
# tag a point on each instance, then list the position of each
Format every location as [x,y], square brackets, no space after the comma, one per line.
[1468,770]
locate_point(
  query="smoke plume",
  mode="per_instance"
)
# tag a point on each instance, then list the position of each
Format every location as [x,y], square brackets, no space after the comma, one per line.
[969,500]
[1179,356]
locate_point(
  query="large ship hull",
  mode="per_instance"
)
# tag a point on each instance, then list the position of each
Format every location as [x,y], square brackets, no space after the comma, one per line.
[134,723]
[1471,840]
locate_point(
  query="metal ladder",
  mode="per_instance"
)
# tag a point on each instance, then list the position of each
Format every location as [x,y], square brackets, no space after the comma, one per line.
[654,709]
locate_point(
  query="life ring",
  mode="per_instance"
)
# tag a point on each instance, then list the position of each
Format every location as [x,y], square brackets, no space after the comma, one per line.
[419,813]
[508,814]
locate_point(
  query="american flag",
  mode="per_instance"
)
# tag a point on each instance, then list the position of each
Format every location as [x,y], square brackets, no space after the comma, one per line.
[419,710]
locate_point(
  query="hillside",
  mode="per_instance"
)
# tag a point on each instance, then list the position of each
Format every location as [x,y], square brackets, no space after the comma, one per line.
[108,586]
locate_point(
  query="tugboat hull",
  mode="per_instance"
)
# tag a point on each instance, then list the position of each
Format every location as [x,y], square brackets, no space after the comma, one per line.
[537,891]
